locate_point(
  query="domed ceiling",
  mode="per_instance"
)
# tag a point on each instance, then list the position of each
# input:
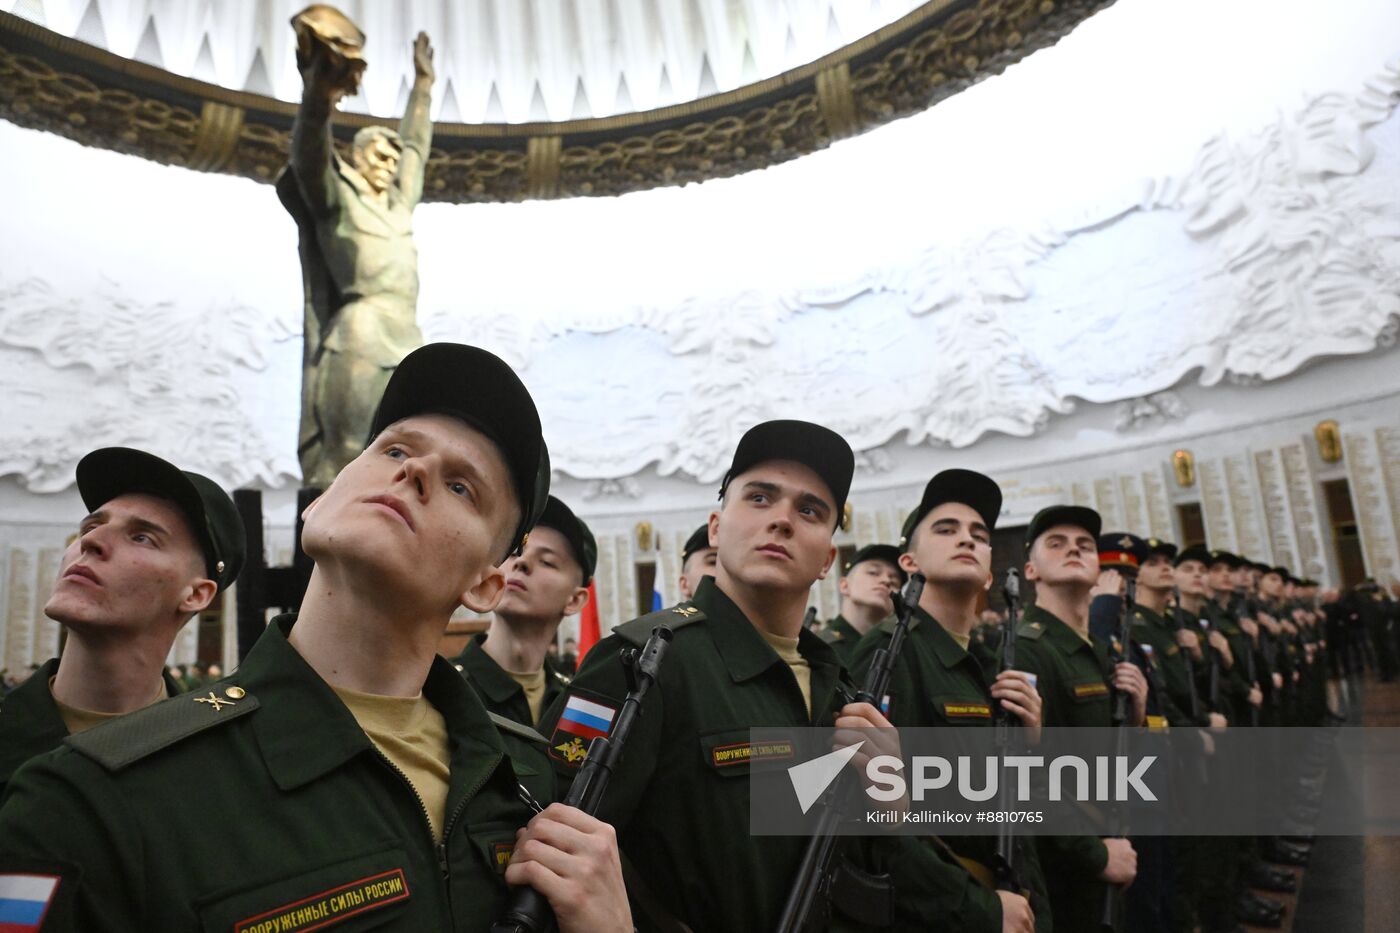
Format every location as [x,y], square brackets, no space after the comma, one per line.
[498,61]
[533,98]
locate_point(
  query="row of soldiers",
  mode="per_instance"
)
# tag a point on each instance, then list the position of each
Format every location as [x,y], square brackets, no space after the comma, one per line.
[347,774]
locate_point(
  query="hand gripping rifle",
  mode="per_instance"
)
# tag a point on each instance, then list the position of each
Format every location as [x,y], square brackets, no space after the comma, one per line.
[1113,894]
[527,910]
[1003,721]
[814,875]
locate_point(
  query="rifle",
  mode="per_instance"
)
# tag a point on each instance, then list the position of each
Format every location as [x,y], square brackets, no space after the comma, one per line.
[814,874]
[527,911]
[1004,722]
[809,617]
[1177,626]
[1110,917]
[1245,606]
[1213,676]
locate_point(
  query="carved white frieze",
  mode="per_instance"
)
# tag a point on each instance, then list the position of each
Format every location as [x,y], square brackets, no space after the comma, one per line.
[1276,247]
[111,370]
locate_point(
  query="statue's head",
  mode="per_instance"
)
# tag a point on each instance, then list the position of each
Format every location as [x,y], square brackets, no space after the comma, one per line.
[375,154]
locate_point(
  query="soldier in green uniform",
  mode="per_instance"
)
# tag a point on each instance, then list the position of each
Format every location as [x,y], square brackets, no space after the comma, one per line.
[740,659]
[1227,633]
[1157,623]
[508,665]
[697,561]
[941,677]
[1075,678]
[871,576]
[345,770]
[156,547]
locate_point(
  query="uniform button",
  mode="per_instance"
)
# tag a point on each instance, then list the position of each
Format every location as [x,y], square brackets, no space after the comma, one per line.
[235,693]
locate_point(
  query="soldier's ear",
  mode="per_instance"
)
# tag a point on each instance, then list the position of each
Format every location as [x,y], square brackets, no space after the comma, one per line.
[577,601]
[830,559]
[200,595]
[485,593]
[907,563]
[1029,572]
[987,587]
[714,529]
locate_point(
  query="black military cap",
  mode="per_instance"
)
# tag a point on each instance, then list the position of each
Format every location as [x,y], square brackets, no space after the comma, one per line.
[1281,572]
[699,540]
[1194,552]
[980,493]
[1157,546]
[821,449]
[1077,515]
[562,519]
[113,471]
[1121,551]
[1232,561]
[477,387]
[885,552]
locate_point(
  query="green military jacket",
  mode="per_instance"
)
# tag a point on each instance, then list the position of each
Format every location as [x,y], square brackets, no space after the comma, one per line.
[1168,658]
[1233,701]
[1072,675]
[259,805]
[936,683]
[680,797]
[505,699]
[30,723]
[842,637]
[1073,678]
[498,690]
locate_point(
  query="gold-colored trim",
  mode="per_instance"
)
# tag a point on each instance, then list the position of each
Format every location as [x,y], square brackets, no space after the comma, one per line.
[837,102]
[217,139]
[542,166]
[61,85]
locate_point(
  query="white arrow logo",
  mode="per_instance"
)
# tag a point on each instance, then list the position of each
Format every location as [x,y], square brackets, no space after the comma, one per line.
[811,778]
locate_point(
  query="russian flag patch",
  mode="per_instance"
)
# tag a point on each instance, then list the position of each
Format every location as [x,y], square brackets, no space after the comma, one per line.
[24,899]
[586,718]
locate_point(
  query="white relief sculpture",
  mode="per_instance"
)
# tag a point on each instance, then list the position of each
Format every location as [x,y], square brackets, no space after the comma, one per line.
[1275,248]
[111,356]
[625,488]
[1135,414]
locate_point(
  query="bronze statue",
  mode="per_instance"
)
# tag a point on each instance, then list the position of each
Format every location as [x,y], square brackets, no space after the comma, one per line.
[358,263]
